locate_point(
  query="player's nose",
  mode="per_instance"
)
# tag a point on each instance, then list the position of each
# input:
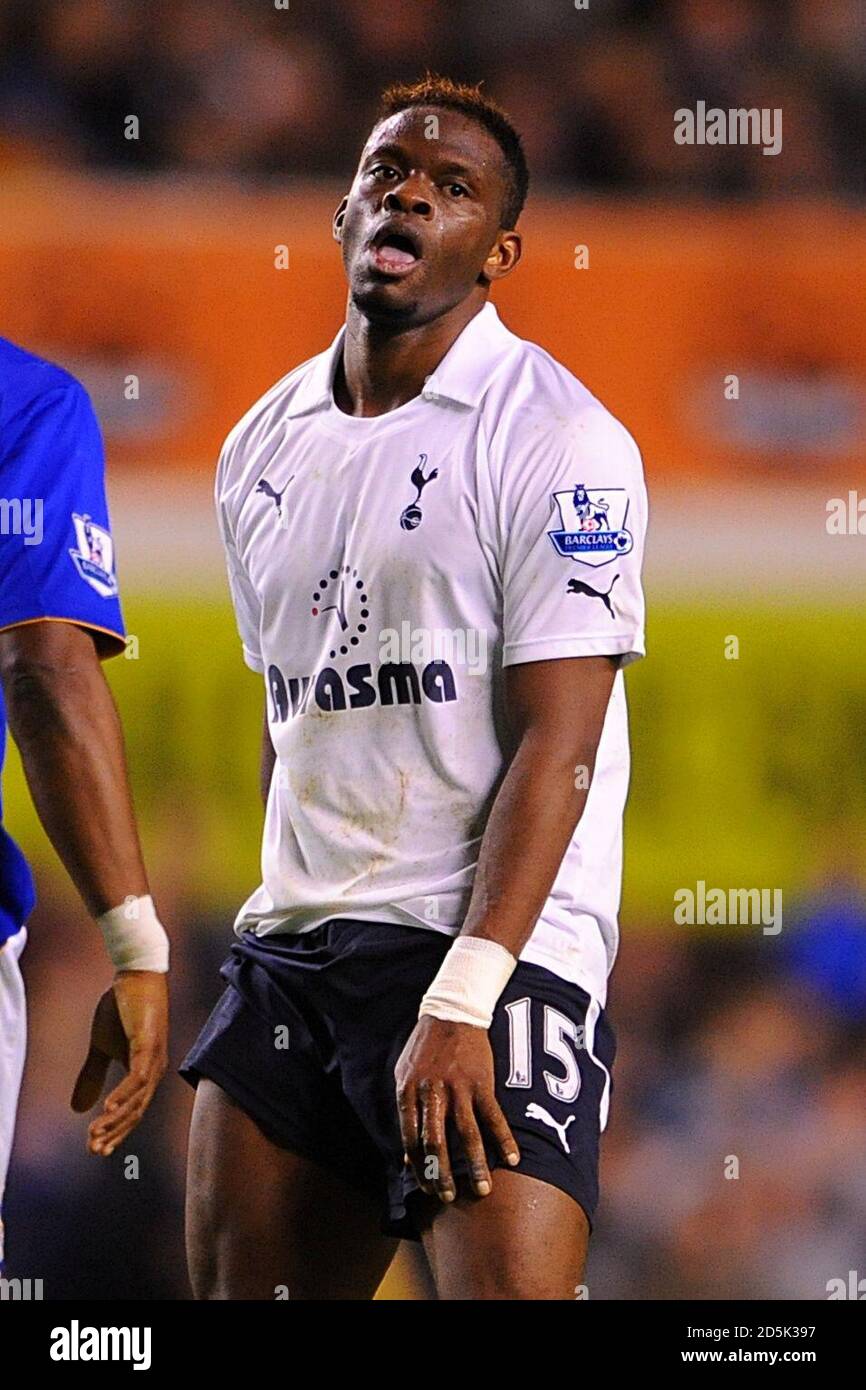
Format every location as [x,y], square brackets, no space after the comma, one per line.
[407,198]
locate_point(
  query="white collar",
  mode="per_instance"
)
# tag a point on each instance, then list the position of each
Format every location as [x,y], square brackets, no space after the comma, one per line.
[462,376]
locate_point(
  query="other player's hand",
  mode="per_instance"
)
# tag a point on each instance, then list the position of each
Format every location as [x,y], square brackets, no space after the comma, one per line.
[130,1026]
[445,1072]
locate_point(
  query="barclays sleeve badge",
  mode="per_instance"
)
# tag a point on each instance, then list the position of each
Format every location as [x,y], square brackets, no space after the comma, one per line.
[592,530]
[94,558]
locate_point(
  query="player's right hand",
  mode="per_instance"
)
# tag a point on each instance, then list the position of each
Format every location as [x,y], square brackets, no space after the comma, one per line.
[130,1026]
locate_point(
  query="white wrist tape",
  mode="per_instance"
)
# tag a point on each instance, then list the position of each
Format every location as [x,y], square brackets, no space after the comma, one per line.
[470,980]
[134,936]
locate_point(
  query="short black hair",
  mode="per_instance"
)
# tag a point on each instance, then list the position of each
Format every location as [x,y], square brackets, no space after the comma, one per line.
[432,90]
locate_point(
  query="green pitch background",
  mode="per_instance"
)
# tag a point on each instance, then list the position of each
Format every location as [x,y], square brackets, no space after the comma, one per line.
[746,773]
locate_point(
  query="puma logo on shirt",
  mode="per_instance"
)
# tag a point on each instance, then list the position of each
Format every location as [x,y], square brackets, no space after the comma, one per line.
[577,586]
[276,497]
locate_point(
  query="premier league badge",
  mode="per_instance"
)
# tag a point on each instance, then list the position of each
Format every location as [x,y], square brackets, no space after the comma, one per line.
[94,558]
[592,528]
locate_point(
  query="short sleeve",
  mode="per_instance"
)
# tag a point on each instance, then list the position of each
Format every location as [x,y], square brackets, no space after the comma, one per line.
[56,547]
[248,611]
[572,519]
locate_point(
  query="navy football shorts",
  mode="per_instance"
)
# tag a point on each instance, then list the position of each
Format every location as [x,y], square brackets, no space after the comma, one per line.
[306,1037]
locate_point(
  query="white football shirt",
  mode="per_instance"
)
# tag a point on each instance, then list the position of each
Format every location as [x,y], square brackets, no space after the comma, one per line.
[384,571]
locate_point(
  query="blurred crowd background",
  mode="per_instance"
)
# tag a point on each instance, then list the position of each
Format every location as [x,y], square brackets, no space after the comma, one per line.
[735,1162]
[260,90]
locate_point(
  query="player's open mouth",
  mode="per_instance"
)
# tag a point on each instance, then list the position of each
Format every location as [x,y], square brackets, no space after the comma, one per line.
[395,253]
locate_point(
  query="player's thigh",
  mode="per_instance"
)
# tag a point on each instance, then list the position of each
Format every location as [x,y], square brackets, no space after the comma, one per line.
[260,1219]
[526,1240]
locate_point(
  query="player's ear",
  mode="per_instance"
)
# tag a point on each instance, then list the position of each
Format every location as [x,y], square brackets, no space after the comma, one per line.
[339,218]
[503,256]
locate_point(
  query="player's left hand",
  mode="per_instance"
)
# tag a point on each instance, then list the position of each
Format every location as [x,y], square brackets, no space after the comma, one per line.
[130,1026]
[445,1072]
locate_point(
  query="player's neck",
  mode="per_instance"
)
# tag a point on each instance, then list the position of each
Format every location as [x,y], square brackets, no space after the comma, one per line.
[382,368]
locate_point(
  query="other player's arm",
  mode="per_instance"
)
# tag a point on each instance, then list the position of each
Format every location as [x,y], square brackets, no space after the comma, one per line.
[64,721]
[59,613]
[556,712]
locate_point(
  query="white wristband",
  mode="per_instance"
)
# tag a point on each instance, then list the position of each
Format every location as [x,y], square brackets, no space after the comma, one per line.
[134,936]
[470,980]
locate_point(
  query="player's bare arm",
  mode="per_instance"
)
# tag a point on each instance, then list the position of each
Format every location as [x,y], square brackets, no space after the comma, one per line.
[65,723]
[556,714]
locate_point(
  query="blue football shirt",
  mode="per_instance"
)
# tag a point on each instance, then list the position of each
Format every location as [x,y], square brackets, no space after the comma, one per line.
[56,548]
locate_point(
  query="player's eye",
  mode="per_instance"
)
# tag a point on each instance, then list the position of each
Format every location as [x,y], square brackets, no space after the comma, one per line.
[458,190]
[382,171]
